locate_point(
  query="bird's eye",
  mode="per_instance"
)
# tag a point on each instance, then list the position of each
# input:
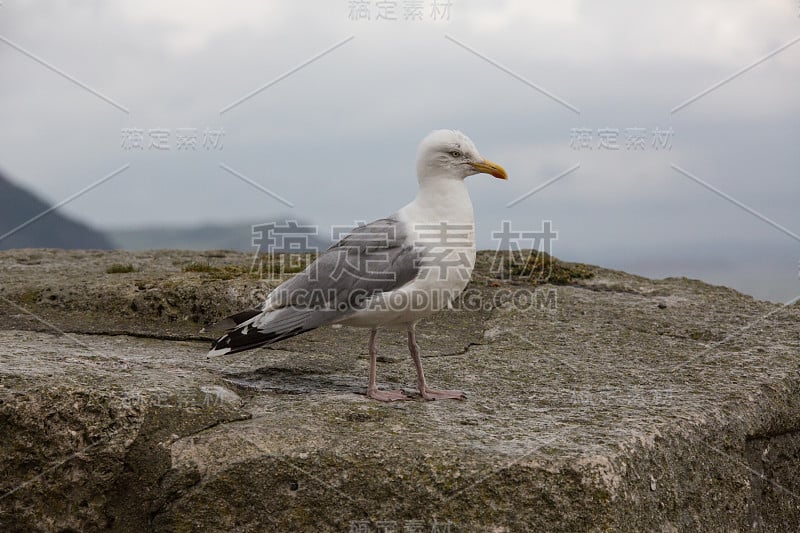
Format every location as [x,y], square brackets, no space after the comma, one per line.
[456,153]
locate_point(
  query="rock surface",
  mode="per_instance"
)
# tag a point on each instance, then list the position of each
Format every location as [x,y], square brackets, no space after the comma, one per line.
[610,402]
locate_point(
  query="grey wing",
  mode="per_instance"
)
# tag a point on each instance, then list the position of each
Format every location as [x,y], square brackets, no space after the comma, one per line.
[373,258]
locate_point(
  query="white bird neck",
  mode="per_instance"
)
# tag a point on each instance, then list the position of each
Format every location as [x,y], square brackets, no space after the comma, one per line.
[442,200]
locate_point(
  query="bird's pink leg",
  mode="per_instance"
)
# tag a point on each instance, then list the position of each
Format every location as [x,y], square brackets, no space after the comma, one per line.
[372,386]
[426,392]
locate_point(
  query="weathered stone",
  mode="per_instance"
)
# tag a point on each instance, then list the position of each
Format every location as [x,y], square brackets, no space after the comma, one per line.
[614,403]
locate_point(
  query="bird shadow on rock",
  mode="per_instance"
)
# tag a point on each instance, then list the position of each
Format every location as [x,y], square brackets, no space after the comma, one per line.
[282,380]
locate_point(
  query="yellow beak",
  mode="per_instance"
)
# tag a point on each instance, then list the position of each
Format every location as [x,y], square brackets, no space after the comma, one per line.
[489,167]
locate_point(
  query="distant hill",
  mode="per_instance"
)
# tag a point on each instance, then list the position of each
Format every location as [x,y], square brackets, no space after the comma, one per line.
[209,237]
[53,230]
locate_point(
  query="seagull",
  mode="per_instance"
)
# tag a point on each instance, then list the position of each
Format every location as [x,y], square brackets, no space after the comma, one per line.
[389,273]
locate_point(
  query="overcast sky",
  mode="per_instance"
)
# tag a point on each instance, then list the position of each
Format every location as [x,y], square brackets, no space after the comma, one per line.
[559,84]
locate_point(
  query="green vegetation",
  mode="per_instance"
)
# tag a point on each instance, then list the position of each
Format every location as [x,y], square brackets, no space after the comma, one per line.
[275,266]
[119,268]
[30,296]
[200,267]
[284,264]
[223,272]
[541,267]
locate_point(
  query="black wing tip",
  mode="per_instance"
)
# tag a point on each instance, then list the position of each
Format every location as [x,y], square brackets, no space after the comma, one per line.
[239,341]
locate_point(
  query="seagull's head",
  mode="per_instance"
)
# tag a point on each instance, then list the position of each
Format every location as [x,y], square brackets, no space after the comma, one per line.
[451,154]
